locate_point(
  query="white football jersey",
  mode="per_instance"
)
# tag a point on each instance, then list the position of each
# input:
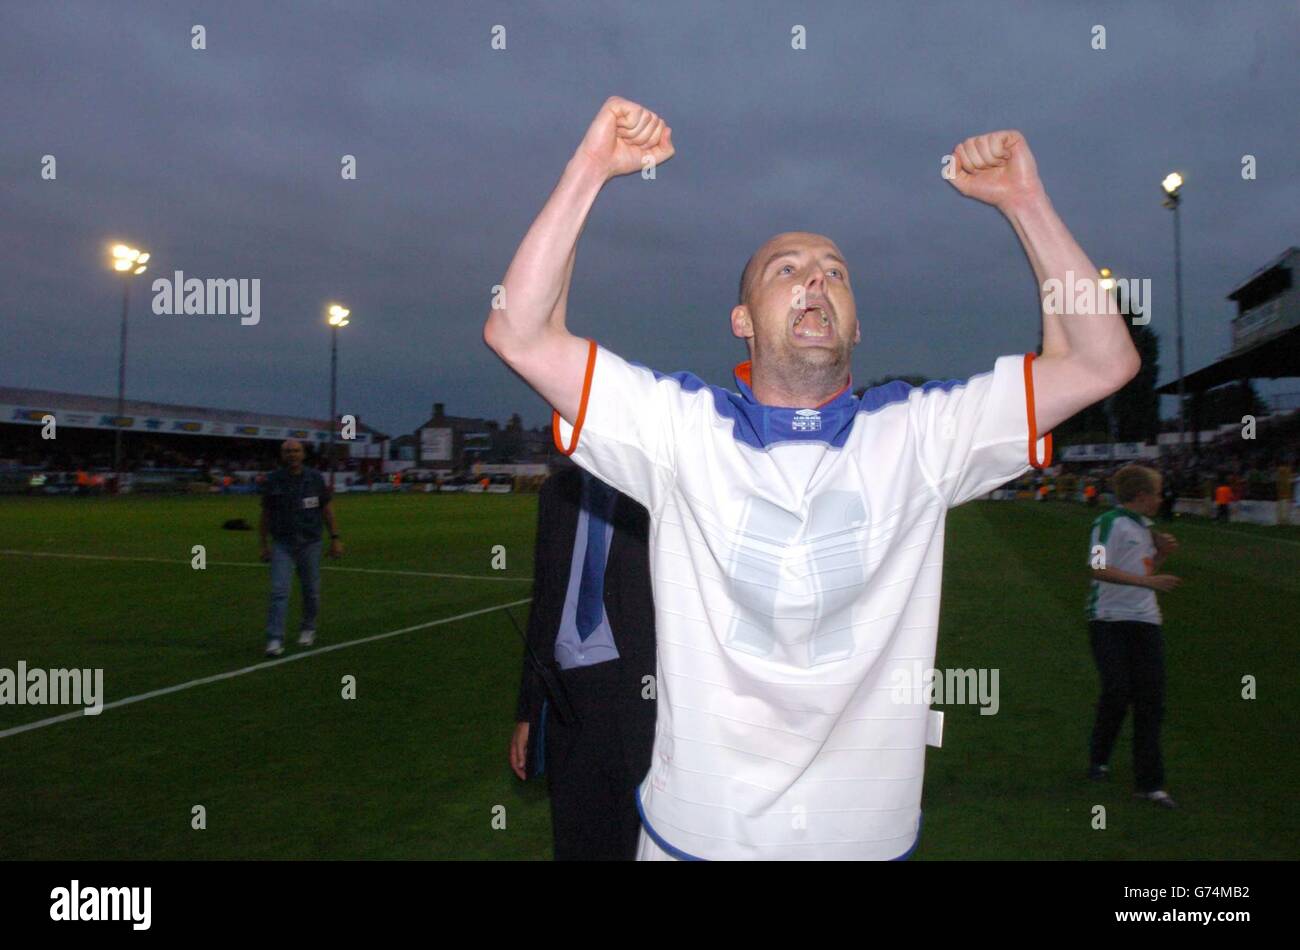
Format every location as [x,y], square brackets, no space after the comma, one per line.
[796,560]
[1126,537]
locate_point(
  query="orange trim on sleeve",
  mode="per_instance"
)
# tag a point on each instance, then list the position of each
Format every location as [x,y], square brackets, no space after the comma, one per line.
[582,407]
[1033,418]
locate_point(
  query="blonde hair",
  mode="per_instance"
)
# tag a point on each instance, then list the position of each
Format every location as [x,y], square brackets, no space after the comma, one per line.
[1132,480]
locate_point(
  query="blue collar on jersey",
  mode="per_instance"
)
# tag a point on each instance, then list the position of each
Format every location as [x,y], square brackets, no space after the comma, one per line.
[761,426]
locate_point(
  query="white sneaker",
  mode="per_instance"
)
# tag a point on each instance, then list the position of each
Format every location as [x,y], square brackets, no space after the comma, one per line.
[306,638]
[274,648]
[1160,797]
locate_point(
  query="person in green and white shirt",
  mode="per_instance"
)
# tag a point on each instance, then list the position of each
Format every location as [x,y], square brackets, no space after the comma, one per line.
[1124,624]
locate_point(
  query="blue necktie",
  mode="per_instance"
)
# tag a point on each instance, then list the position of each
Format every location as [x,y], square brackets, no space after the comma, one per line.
[591,591]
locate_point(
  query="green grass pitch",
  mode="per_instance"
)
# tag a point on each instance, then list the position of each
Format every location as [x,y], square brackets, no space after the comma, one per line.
[415,766]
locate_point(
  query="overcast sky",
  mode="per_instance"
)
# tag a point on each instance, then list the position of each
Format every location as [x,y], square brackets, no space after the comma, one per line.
[225,162]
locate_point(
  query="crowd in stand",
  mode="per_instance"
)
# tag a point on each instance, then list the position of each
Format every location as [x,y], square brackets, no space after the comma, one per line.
[1251,467]
[160,468]
[1232,466]
[56,458]
[1240,465]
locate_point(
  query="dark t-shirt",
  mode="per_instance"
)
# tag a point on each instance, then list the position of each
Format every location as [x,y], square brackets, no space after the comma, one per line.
[293,505]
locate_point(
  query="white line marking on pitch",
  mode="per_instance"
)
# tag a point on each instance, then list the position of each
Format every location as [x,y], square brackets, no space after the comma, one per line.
[218,677]
[324,567]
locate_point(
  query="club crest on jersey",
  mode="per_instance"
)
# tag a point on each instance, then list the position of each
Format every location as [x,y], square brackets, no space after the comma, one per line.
[806,420]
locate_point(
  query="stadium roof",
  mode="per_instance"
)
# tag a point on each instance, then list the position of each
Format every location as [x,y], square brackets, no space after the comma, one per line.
[1274,358]
[1265,332]
[17,405]
[1263,270]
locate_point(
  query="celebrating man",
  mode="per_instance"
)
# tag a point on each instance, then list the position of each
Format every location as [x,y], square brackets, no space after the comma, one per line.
[796,529]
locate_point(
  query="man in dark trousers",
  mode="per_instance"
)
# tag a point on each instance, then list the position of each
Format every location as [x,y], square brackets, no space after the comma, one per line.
[592,625]
[296,502]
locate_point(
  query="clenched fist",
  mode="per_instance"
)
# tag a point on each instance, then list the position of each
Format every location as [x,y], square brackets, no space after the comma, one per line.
[996,168]
[623,135]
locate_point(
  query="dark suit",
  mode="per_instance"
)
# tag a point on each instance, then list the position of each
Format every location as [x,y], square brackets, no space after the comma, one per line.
[594,767]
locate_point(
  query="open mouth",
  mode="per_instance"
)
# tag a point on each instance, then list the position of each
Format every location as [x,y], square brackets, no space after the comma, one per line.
[814,323]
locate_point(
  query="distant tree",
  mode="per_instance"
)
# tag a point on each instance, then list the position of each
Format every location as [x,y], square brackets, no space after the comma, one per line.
[1087,426]
[1136,407]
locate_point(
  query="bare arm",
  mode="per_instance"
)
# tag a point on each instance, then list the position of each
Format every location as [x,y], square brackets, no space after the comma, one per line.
[336,546]
[529,331]
[1085,357]
[1113,575]
[1162,583]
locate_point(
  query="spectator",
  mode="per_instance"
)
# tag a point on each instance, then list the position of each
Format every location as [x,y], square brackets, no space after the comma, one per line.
[295,502]
[592,630]
[1124,627]
[1223,498]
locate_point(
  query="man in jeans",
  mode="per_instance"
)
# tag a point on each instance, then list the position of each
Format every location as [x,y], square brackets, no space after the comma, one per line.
[1125,556]
[295,502]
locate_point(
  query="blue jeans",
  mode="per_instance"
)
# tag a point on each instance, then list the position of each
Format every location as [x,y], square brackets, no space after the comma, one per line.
[285,559]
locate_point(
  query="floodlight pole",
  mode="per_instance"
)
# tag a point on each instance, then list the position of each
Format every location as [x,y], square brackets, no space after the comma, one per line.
[121,387]
[334,377]
[1178,308]
[1173,200]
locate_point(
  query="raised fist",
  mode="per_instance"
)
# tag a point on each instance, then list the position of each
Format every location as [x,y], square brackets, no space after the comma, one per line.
[996,168]
[623,135]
